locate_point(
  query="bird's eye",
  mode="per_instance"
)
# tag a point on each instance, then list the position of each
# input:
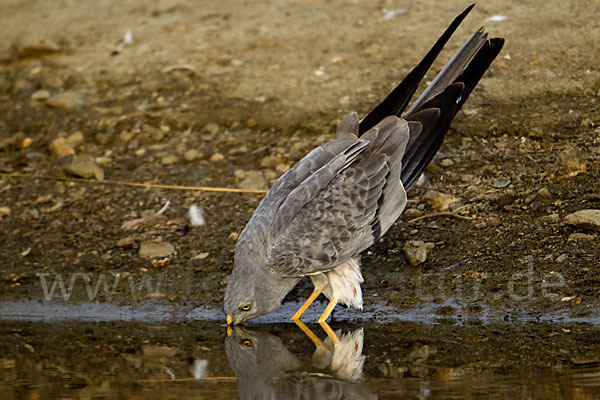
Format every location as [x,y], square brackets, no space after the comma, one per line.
[246,342]
[246,307]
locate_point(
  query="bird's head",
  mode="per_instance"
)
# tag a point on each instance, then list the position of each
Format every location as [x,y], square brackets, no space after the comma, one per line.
[253,291]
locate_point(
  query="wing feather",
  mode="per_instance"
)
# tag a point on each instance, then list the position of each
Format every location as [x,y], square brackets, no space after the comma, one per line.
[335,224]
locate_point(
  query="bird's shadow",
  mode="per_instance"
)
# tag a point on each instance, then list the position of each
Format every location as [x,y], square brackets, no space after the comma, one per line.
[265,368]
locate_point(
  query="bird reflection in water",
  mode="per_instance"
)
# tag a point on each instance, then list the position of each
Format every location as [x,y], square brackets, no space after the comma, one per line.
[266,369]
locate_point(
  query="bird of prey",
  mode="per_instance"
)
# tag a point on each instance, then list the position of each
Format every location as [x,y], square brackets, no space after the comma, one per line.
[344,195]
[265,369]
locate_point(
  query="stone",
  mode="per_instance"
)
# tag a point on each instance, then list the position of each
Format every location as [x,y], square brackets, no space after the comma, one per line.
[544,193]
[32,44]
[76,139]
[500,183]
[252,180]
[577,236]
[493,221]
[552,218]
[102,138]
[211,128]
[141,222]
[217,157]
[53,82]
[126,243]
[270,161]
[570,162]
[170,160]
[67,100]
[271,175]
[412,213]
[415,251]
[282,168]
[40,95]
[84,166]
[60,147]
[192,154]
[4,211]
[155,249]
[439,201]
[480,225]
[103,161]
[586,219]
[446,162]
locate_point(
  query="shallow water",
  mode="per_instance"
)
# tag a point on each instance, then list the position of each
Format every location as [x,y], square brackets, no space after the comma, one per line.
[106,351]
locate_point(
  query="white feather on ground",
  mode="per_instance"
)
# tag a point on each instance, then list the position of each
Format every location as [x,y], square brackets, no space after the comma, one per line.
[196,215]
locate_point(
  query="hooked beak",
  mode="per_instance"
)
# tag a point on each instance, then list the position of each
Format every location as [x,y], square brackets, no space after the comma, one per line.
[229,319]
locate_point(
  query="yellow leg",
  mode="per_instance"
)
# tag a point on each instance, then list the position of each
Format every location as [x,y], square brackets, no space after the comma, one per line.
[334,338]
[307,303]
[328,309]
[309,333]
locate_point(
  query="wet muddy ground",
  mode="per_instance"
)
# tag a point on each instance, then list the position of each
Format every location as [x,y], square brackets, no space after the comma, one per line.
[231,94]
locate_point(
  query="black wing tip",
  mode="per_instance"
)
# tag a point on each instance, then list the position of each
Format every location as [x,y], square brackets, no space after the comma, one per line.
[497,42]
[398,99]
[463,14]
[424,147]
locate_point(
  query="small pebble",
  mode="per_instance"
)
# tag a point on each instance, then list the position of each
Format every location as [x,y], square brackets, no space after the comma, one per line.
[577,236]
[544,193]
[84,166]
[201,256]
[493,221]
[500,183]
[480,225]
[40,95]
[269,162]
[561,258]
[586,219]
[415,251]
[76,139]
[217,157]
[439,201]
[446,162]
[251,180]
[553,218]
[234,236]
[170,160]
[155,249]
[211,128]
[67,100]
[32,43]
[412,213]
[191,155]
[103,161]
[282,168]
[60,147]
[126,243]
[570,162]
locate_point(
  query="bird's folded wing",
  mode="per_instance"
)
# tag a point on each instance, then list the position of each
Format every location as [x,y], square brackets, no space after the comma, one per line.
[259,229]
[323,224]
